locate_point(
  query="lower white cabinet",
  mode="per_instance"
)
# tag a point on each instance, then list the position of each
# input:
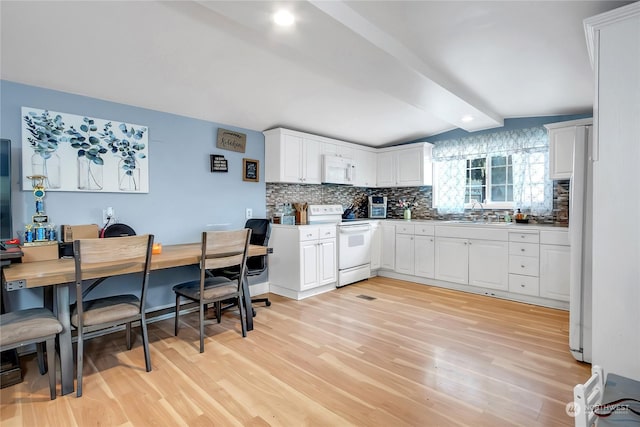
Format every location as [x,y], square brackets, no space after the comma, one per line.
[554,272]
[376,245]
[304,260]
[415,250]
[488,266]
[425,254]
[388,250]
[452,260]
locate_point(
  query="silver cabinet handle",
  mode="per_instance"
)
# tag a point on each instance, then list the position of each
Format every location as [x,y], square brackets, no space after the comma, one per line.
[522,285]
[522,266]
[522,250]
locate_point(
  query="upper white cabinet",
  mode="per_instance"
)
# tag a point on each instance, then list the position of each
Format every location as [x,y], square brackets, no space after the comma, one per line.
[340,150]
[296,157]
[366,167]
[405,166]
[562,138]
[292,157]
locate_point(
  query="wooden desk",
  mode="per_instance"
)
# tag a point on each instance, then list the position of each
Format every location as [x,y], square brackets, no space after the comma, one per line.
[60,273]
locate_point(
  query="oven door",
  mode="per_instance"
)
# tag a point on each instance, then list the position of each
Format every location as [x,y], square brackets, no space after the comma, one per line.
[354,245]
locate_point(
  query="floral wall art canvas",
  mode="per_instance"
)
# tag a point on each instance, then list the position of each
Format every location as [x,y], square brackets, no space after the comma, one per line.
[78,153]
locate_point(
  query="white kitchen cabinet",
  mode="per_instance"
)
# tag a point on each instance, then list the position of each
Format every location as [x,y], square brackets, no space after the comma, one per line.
[376,245]
[304,260]
[405,166]
[562,138]
[524,262]
[405,253]
[415,250]
[554,272]
[388,249]
[488,264]
[292,157]
[425,254]
[452,260]
[339,150]
[366,168]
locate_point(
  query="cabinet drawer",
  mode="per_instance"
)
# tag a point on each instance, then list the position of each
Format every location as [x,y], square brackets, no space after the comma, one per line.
[525,237]
[424,230]
[524,249]
[524,284]
[528,266]
[405,229]
[326,232]
[308,233]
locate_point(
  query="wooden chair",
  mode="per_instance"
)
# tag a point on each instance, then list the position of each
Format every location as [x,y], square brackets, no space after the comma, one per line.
[32,326]
[110,258]
[220,249]
[586,396]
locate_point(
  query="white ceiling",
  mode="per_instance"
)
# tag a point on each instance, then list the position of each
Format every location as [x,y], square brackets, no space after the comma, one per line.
[370,72]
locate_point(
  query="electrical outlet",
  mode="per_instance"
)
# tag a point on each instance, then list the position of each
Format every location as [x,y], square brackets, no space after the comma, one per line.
[108,213]
[249,213]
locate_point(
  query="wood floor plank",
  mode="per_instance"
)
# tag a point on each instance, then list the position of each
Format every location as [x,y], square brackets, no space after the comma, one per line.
[412,355]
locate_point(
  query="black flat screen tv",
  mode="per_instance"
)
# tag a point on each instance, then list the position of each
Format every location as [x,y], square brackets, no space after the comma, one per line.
[6,226]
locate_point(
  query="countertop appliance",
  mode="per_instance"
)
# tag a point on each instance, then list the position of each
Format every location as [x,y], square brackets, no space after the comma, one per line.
[354,243]
[377,207]
[580,239]
[337,170]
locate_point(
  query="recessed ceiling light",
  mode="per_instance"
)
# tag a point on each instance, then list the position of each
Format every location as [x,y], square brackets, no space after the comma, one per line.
[467,118]
[283,18]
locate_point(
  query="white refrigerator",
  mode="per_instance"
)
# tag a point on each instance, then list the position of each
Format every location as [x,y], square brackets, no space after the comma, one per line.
[580,239]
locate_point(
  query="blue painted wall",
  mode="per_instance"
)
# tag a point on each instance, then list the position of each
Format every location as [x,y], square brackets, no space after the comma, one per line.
[184,197]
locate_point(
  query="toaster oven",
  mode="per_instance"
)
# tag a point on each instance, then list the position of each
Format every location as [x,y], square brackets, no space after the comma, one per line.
[377,207]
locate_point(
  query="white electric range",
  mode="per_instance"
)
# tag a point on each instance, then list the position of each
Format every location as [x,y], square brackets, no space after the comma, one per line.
[354,242]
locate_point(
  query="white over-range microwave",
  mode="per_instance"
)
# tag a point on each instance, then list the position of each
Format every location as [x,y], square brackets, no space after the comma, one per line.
[337,170]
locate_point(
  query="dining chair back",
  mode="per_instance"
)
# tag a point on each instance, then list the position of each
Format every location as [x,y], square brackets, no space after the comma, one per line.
[219,250]
[32,326]
[256,265]
[110,259]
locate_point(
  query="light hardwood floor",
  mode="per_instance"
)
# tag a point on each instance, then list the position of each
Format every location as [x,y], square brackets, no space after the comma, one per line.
[414,356]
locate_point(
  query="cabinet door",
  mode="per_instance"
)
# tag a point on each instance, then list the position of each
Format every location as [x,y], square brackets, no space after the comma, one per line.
[561,142]
[386,169]
[376,246]
[308,265]
[291,155]
[404,254]
[311,159]
[366,166]
[388,252]
[554,272]
[327,268]
[410,167]
[452,260]
[425,256]
[489,264]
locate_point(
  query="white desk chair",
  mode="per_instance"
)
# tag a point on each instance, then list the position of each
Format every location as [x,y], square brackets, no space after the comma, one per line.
[588,395]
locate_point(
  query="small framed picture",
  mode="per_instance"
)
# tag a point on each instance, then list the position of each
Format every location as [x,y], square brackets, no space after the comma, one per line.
[250,170]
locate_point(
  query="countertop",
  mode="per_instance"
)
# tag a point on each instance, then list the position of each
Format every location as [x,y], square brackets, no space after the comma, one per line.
[454,223]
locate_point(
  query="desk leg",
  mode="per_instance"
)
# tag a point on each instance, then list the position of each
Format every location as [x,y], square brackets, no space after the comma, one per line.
[64,338]
[247,303]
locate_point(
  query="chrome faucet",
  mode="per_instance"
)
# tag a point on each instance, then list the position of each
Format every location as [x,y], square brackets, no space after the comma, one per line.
[474,202]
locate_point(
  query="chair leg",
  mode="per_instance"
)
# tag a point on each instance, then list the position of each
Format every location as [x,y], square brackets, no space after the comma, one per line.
[145,342]
[243,320]
[177,314]
[41,363]
[202,306]
[218,305]
[129,336]
[79,362]
[51,362]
